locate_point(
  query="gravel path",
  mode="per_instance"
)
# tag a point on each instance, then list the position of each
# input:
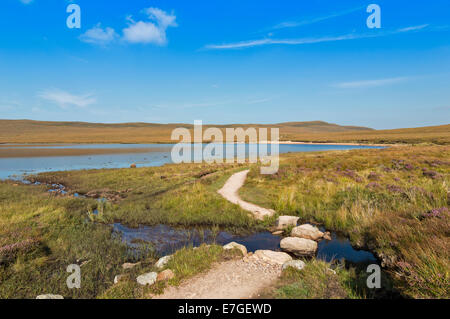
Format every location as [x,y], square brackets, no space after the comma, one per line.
[234,279]
[230,192]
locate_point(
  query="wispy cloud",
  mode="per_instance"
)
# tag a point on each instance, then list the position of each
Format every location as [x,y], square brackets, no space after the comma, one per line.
[261,42]
[369,83]
[298,23]
[150,32]
[99,36]
[413,28]
[300,41]
[65,99]
[26,1]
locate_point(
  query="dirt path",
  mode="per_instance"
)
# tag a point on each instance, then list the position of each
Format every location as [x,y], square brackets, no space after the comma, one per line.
[230,192]
[234,279]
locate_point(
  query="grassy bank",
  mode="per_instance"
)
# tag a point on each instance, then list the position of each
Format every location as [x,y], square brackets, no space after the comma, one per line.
[178,195]
[40,235]
[395,201]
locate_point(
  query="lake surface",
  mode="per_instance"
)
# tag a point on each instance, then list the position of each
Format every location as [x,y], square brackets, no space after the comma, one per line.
[153,155]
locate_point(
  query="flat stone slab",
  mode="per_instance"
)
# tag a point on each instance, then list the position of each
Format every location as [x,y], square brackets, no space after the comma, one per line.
[272,257]
[283,222]
[234,245]
[299,246]
[49,296]
[147,279]
[307,231]
[297,264]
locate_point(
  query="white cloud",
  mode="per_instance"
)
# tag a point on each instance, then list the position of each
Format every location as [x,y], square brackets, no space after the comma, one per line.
[65,99]
[292,24]
[150,32]
[267,41]
[369,83]
[254,43]
[413,28]
[98,35]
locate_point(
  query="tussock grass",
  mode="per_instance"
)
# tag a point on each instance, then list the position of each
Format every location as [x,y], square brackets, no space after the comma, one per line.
[60,236]
[382,199]
[178,195]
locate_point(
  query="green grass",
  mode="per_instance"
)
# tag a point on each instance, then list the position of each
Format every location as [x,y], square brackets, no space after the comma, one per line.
[174,195]
[322,280]
[52,233]
[380,198]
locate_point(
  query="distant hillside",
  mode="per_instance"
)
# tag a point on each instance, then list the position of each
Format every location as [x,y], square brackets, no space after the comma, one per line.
[27,131]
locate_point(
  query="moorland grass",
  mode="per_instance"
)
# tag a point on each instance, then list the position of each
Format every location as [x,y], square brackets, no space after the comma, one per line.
[40,235]
[177,195]
[394,201]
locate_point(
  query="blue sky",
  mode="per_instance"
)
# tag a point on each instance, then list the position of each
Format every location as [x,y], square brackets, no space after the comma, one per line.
[226,62]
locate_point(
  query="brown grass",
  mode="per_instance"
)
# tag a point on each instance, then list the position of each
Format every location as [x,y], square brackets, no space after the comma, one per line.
[25,131]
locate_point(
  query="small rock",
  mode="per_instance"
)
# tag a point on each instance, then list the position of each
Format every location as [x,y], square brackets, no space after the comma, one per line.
[299,246]
[285,221]
[129,265]
[133,166]
[165,275]
[297,264]
[118,278]
[327,235]
[234,245]
[49,296]
[272,257]
[163,261]
[276,233]
[307,231]
[147,279]
[331,271]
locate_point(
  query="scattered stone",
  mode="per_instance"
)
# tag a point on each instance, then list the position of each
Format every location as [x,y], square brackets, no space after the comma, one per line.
[283,222]
[49,296]
[147,279]
[299,246]
[331,271]
[272,257]
[327,235]
[129,265]
[307,231]
[165,275]
[297,264]
[163,261]
[133,166]
[234,245]
[119,278]
[276,233]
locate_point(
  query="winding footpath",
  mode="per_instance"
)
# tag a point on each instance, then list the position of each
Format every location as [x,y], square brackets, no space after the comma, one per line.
[230,192]
[240,278]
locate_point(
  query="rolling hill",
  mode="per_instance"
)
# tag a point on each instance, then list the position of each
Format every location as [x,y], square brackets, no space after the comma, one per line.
[28,131]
